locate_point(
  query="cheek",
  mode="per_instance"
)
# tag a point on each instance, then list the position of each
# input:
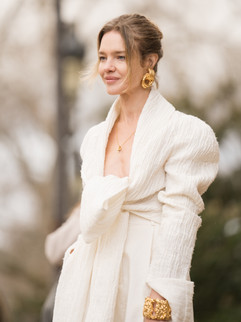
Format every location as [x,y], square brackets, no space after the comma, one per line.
[125,69]
[137,76]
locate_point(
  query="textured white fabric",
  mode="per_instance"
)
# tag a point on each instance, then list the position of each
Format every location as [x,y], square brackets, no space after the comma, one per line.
[174,159]
[134,268]
[59,240]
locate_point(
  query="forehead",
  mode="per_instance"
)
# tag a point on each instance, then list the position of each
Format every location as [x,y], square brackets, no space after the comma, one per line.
[112,41]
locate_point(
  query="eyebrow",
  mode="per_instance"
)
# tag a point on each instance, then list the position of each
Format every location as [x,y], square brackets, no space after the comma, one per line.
[115,52]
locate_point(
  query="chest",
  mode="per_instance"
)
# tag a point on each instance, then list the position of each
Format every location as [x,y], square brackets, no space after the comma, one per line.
[142,159]
[118,153]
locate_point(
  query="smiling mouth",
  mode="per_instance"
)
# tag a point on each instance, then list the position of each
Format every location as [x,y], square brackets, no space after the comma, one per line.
[110,80]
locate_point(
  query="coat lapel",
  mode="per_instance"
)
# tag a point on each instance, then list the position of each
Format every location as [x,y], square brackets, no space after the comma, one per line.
[153,119]
[109,123]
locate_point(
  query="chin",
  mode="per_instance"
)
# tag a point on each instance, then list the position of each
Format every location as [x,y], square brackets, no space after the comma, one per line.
[111,92]
[114,91]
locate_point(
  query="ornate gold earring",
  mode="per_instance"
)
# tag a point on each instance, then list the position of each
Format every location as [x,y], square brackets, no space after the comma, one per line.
[148,78]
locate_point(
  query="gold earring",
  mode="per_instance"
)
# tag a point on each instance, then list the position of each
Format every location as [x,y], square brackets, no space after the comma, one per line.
[148,78]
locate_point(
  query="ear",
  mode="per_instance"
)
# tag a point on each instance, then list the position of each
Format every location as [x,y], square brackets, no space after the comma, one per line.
[151,60]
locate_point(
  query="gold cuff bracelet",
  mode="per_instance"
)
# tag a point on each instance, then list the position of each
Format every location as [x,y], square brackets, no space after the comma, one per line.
[155,309]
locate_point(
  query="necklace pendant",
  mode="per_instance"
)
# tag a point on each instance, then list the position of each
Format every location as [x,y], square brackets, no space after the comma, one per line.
[119,148]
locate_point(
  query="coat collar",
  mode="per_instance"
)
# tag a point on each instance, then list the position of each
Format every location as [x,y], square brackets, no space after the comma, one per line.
[155,113]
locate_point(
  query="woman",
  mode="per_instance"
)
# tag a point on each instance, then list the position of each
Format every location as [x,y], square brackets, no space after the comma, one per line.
[144,170]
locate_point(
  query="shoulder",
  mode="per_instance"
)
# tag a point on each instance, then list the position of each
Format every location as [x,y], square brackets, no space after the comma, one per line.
[189,123]
[193,134]
[177,123]
[185,125]
[94,130]
[90,137]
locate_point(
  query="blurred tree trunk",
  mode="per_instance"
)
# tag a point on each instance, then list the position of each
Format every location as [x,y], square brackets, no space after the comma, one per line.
[69,53]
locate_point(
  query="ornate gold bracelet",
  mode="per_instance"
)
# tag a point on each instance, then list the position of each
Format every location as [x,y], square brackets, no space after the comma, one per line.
[155,309]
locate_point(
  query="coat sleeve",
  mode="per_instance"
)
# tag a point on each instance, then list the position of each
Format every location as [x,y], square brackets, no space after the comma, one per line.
[190,169]
[59,240]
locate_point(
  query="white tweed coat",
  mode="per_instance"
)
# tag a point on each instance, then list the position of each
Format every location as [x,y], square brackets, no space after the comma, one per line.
[116,262]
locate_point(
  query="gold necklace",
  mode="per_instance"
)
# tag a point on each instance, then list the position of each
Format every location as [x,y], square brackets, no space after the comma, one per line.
[121,145]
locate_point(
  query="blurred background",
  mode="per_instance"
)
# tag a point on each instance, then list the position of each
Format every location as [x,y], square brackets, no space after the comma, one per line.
[45,112]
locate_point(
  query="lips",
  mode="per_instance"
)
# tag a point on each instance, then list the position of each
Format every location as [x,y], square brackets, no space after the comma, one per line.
[110,79]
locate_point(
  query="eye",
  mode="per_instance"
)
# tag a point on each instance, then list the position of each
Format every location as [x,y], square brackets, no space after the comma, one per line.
[102,58]
[121,57]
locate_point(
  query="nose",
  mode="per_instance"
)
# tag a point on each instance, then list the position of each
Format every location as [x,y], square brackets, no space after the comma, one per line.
[109,66]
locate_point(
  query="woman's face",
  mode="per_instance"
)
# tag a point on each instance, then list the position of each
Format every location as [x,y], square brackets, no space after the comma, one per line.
[113,67]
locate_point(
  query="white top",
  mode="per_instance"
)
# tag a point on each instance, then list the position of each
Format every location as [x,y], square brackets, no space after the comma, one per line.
[174,159]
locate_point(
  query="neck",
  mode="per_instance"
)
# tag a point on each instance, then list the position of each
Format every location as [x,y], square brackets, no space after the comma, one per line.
[131,105]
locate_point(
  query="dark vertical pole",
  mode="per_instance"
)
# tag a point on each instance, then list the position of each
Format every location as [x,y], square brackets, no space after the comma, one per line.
[62,126]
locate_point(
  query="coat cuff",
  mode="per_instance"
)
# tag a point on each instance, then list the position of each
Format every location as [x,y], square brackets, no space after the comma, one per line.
[179,294]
